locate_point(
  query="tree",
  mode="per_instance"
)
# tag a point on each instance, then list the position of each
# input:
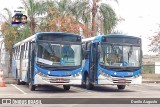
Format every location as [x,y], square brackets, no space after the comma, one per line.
[61,19]
[155,43]
[102,16]
[12,34]
[34,9]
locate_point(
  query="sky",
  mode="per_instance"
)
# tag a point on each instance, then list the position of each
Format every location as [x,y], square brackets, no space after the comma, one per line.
[141,17]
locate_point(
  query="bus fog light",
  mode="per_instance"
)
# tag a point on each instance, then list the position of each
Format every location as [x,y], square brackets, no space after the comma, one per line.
[49,72]
[136,76]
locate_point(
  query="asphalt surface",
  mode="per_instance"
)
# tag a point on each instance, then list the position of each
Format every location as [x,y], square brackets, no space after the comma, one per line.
[145,90]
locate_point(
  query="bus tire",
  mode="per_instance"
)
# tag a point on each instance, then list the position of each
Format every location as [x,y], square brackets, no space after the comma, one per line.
[89,85]
[23,83]
[121,87]
[66,87]
[18,82]
[84,82]
[32,87]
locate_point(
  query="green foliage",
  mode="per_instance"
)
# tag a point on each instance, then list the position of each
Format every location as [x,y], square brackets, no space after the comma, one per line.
[54,12]
[109,18]
[147,69]
[23,32]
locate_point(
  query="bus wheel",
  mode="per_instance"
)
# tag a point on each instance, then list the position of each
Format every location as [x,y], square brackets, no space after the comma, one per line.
[89,86]
[18,82]
[83,83]
[23,83]
[121,87]
[31,86]
[66,87]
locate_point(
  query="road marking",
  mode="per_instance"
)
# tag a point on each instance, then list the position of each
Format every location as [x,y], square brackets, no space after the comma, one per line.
[18,89]
[10,94]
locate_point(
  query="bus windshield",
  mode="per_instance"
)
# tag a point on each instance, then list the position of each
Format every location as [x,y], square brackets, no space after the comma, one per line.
[58,54]
[120,56]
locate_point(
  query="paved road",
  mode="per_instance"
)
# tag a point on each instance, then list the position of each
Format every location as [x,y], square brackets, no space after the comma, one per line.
[135,91]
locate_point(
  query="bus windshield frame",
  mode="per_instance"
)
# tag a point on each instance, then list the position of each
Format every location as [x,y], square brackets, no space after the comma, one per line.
[52,54]
[120,55]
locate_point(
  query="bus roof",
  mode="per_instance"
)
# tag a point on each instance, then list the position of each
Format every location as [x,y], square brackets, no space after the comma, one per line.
[121,35]
[33,37]
[58,33]
[98,38]
[88,39]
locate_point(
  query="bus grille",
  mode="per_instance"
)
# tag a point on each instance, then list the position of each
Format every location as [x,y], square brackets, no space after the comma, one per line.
[124,81]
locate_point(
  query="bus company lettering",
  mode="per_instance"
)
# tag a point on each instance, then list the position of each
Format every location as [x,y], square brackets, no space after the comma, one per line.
[14,101]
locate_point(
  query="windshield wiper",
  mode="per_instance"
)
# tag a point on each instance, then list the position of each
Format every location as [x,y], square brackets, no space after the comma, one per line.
[51,48]
[130,53]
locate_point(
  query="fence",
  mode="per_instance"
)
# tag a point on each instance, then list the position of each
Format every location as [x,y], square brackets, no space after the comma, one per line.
[5,63]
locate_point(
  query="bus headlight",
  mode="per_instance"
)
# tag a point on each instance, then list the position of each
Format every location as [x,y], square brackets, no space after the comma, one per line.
[40,73]
[104,74]
[79,73]
[136,76]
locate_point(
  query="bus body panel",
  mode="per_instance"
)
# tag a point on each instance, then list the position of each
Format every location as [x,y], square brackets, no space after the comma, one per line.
[51,80]
[25,68]
[111,77]
[103,80]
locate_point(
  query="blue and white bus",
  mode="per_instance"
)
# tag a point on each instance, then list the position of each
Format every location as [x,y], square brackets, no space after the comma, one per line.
[112,59]
[48,58]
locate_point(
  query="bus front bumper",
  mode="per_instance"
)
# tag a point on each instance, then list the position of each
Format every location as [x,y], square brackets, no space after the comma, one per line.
[52,80]
[119,80]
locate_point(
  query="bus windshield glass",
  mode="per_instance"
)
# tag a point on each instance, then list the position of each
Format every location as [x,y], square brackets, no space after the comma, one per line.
[58,54]
[120,56]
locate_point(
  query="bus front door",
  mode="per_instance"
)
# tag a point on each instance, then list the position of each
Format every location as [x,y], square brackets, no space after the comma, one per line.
[93,63]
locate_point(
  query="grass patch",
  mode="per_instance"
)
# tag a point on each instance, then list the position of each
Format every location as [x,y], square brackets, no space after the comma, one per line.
[149,69]
[151,76]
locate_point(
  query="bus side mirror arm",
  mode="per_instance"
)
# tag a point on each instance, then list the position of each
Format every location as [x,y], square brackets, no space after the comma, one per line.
[85,54]
[99,50]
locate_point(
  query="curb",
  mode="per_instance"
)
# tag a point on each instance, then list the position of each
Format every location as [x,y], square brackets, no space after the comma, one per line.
[151,81]
[13,81]
[10,81]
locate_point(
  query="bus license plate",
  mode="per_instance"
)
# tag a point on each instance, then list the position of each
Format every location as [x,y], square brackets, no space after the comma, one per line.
[122,81]
[59,80]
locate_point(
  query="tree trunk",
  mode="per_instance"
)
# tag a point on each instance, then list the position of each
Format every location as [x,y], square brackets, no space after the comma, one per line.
[94,12]
[32,26]
[10,60]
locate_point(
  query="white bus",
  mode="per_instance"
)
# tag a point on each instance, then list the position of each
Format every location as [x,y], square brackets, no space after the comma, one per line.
[48,58]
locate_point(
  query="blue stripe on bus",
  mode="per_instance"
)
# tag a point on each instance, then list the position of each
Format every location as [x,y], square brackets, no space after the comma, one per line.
[121,73]
[58,72]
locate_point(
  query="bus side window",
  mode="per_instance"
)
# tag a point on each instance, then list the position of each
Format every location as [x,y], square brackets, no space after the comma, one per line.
[83,50]
[24,52]
[27,49]
[18,53]
[13,56]
[87,50]
[14,53]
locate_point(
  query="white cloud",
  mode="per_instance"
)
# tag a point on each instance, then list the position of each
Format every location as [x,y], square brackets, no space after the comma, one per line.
[141,18]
